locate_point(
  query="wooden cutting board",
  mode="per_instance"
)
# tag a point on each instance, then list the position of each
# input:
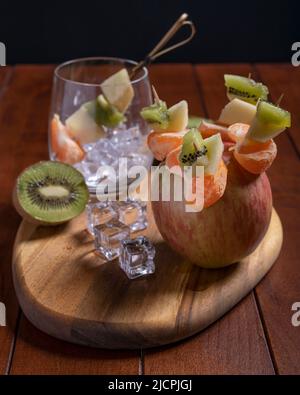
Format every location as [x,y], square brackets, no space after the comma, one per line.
[68,292]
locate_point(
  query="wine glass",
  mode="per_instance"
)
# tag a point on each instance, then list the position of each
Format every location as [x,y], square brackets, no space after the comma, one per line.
[76,83]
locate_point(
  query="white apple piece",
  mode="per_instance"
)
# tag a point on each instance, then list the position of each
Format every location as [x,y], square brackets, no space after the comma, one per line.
[82,127]
[118,90]
[237,111]
[178,116]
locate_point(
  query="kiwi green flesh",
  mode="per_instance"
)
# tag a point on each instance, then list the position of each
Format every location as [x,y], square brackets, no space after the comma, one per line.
[157,113]
[245,88]
[52,192]
[192,148]
[270,114]
[103,112]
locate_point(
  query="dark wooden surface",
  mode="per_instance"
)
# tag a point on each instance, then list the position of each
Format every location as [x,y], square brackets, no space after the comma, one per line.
[256,336]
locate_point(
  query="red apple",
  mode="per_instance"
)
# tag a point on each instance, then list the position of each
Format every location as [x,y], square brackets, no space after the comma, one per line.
[225,232]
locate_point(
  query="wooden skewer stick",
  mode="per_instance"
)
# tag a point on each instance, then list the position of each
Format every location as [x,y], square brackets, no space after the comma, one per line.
[158,49]
[156,97]
[279,99]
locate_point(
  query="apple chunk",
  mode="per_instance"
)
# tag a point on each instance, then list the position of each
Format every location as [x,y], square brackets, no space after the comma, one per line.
[237,111]
[178,116]
[82,127]
[118,90]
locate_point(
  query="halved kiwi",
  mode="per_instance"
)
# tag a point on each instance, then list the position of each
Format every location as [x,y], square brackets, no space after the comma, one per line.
[50,193]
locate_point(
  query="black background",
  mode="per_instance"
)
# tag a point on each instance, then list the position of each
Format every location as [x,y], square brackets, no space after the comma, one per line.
[227,31]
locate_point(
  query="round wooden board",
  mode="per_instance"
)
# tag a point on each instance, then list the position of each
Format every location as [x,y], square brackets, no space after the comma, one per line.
[68,292]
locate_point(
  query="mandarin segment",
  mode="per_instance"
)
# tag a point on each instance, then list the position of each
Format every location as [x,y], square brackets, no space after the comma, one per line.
[65,148]
[256,160]
[208,129]
[161,144]
[254,156]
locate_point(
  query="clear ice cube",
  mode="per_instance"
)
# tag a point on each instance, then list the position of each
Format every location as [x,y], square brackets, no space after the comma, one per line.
[137,257]
[132,213]
[122,142]
[137,159]
[123,135]
[102,153]
[99,213]
[126,141]
[108,238]
[90,171]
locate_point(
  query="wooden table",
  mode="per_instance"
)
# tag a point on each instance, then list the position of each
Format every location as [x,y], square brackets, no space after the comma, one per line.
[257,336]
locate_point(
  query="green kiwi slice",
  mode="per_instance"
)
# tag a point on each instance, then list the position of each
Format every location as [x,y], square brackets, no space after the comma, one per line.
[193,150]
[103,112]
[50,192]
[156,114]
[245,88]
[270,120]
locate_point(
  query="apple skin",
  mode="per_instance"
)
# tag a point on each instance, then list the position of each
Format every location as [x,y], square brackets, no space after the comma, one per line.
[225,232]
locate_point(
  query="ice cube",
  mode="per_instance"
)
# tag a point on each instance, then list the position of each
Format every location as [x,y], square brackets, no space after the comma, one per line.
[99,213]
[103,153]
[122,142]
[125,140]
[108,238]
[137,257]
[136,159]
[132,213]
[122,135]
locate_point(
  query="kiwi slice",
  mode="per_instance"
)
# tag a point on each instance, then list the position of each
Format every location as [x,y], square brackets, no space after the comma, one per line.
[156,114]
[245,89]
[193,150]
[270,120]
[50,193]
[103,112]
